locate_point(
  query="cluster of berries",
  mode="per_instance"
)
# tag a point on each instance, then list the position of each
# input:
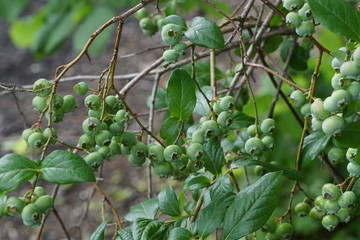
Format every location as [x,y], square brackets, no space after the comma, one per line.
[300,17]
[276,230]
[31,208]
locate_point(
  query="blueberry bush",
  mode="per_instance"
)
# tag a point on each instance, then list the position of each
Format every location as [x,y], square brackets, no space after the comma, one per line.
[259,118]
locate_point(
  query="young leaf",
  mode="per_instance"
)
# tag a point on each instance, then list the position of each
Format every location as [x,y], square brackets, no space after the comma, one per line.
[99,233]
[179,233]
[63,167]
[146,209]
[15,169]
[138,227]
[213,156]
[350,137]
[205,33]
[252,207]
[180,94]
[338,16]
[220,188]
[168,202]
[169,129]
[212,215]
[313,145]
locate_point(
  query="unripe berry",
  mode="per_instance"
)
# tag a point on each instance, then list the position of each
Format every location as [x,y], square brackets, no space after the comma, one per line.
[210,129]
[344,214]
[114,148]
[91,125]
[141,13]
[57,115]
[95,113]
[306,29]
[92,102]
[302,209]
[163,169]
[26,133]
[331,206]
[316,124]
[50,131]
[270,225]
[39,104]
[103,138]
[81,88]
[42,87]
[147,26]
[198,136]
[333,125]
[330,222]
[113,104]
[121,117]
[251,130]
[259,170]
[356,56]
[31,215]
[350,70]
[341,97]
[225,119]
[318,110]
[94,160]
[136,161]
[351,154]
[171,34]
[347,199]
[128,139]
[293,19]
[116,129]
[284,230]
[139,149]
[331,105]
[39,191]
[306,13]
[353,169]
[336,155]
[330,191]
[156,153]
[195,151]
[254,146]
[44,203]
[36,140]
[14,206]
[293,4]
[338,81]
[336,64]
[316,214]
[306,109]
[170,55]
[297,98]
[172,153]
[227,103]
[268,142]
[69,103]
[86,141]
[319,202]
[267,125]
[181,48]
[104,151]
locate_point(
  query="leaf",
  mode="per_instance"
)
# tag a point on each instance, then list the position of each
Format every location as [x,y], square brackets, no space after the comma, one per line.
[241,120]
[63,167]
[220,188]
[150,230]
[340,55]
[213,156]
[356,190]
[9,11]
[288,172]
[170,129]
[212,215]
[180,94]
[273,43]
[3,198]
[202,73]
[160,99]
[205,33]
[146,209]
[198,182]
[168,202]
[252,207]
[350,108]
[179,233]
[125,234]
[95,19]
[338,16]
[313,145]
[138,227]
[15,169]
[202,108]
[299,57]
[350,137]
[99,233]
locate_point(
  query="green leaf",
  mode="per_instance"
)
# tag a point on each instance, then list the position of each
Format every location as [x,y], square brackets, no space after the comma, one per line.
[202,73]
[299,57]
[95,19]
[160,99]
[356,190]
[23,31]
[213,156]
[273,43]
[202,108]
[10,10]
[313,145]
[179,233]
[338,16]
[125,234]
[3,198]
[170,129]
[350,137]
[288,172]
[15,169]
[99,233]
[168,202]
[150,230]
[146,209]
[220,188]
[138,227]
[241,120]
[205,33]
[212,215]
[252,207]
[63,167]
[180,94]
[198,182]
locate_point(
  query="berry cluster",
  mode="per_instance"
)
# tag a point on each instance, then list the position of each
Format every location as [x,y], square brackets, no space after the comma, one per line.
[300,17]
[147,26]
[31,207]
[276,230]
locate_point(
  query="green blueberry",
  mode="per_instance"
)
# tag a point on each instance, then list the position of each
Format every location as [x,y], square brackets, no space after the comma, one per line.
[14,206]
[272,236]
[171,34]
[356,56]
[306,110]
[42,88]
[174,19]
[87,141]
[113,104]
[330,191]
[225,119]
[39,191]
[302,209]
[317,109]
[330,222]
[181,48]
[350,70]
[170,55]
[156,153]
[306,29]
[331,206]
[57,115]
[260,170]
[172,153]
[141,13]
[50,132]
[36,140]
[341,97]
[331,105]
[333,125]
[125,150]
[95,113]
[268,125]
[336,155]
[136,161]
[121,117]
[103,126]
[347,199]
[139,150]
[293,19]
[147,26]
[268,142]
[44,203]
[351,154]
[163,169]
[39,104]
[338,81]
[336,64]
[181,163]
[306,13]
[104,151]
[159,20]
[227,103]
[354,90]
[57,101]
[344,214]
[254,146]
[94,160]
[353,169]
[103,138]
[316,214]
[31,215]
[270,225]
[81,88]
[69,103]
[316,124]
[116,129]
[195,151]
[293,4]
[128,139]
[216,107]
[92,102]
[115,148]
[210,128]
[198,136]
[320,201]
[284,230]
[298,98]
[251,130]
[26,134]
